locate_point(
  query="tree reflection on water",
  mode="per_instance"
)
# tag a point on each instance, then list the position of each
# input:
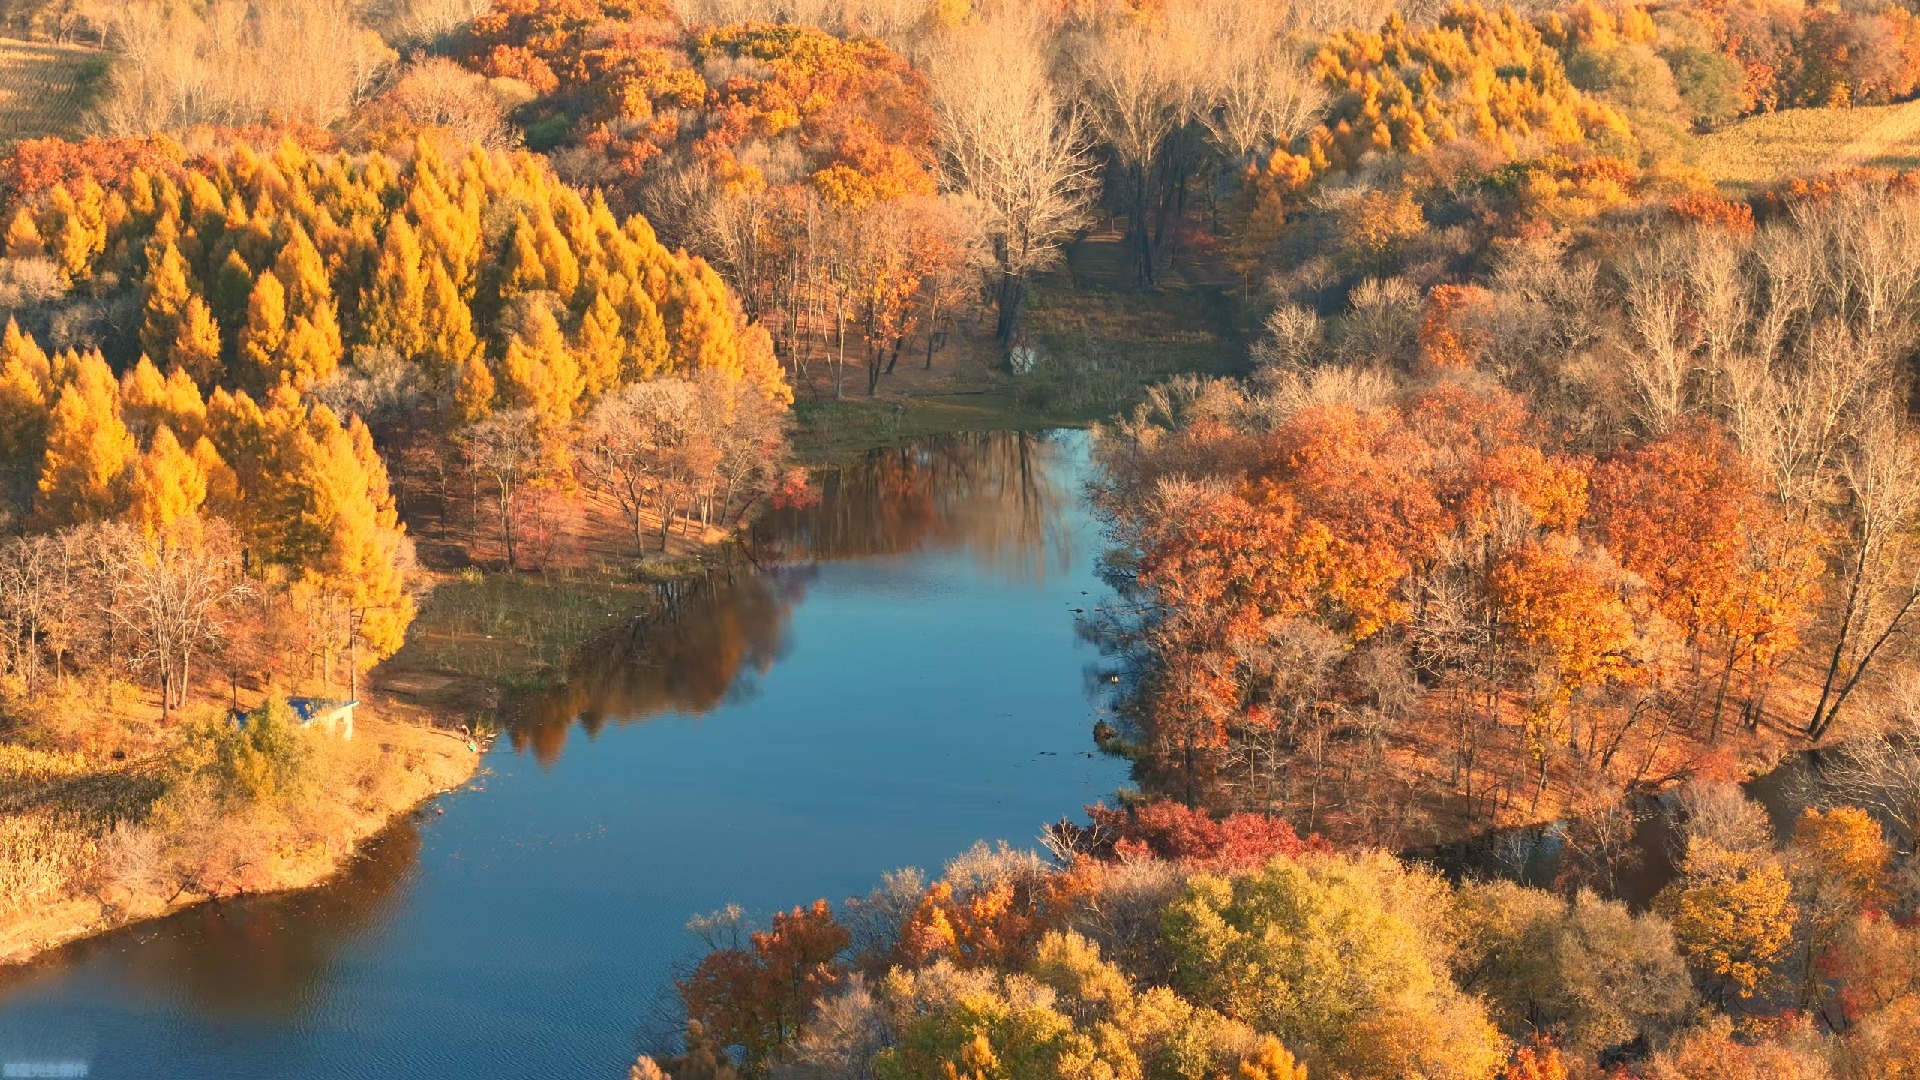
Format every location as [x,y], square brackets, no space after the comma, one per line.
[997,497]
[260,958]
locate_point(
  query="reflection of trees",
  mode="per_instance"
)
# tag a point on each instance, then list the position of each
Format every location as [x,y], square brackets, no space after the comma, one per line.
[685,654]
[996,495]
[262,957]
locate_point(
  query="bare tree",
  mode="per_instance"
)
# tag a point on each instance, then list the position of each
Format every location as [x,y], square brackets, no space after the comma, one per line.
[1660,361]
[437,93]
[1135,75]
[752,444]
[1880,773]
[423,22]
[181,584]
[29,598]
[1011,144]
[1881,569]
[507,448]
[236,62]
[1261,95]
[651,446]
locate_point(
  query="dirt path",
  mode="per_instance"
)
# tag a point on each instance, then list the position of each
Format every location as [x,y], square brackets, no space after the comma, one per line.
[1899,126]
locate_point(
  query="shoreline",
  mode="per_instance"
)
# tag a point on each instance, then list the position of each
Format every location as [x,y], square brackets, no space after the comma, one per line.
[445,766]
[410,696]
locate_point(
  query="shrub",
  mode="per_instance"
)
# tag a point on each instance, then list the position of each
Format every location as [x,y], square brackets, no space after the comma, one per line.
[265,757]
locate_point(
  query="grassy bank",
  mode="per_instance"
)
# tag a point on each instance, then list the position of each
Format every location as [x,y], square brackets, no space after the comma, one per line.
[482,636]
[831,431]
[108,816]
[93,839]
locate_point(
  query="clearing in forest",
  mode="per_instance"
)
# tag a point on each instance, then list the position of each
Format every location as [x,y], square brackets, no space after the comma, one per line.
[45,89]
[1774,146]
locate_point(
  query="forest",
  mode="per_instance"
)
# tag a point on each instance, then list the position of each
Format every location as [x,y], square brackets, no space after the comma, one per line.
[1534,488]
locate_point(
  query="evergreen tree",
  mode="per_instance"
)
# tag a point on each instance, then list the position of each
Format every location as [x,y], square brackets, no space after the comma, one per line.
[540,372]
[168,291]
[363,564]
[88,448]
[522,268]
[562,268]
[602,352]
[645,334]
[232,288]
[303,273]
[196,348]
[149,400]
[393,310]
[76,229]
[473,390]
[311,352]
[264,337]
[23,237]
[26,388]
[167,484]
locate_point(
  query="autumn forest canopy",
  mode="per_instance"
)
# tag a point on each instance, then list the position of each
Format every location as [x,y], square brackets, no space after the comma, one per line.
[1531,493]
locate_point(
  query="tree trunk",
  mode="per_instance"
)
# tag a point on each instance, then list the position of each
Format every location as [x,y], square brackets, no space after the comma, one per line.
[1011,294]
[933,322]
[1138,224]
[840,356]
[506,522]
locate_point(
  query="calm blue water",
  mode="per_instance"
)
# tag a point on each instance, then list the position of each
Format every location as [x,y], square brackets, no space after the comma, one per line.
[889,709]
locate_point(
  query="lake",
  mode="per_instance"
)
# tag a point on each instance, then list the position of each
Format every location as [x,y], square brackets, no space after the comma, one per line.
[899,677]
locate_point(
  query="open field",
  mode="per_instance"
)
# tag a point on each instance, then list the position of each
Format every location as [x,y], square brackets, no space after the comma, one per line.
[46,89]
[1775,146]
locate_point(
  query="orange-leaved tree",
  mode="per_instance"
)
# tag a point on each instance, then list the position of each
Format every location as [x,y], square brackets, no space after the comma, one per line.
[755,994]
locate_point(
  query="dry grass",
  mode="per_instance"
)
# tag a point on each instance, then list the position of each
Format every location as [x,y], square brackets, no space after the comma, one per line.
[46,89]
[90,840]
[1776,146]
[55,808]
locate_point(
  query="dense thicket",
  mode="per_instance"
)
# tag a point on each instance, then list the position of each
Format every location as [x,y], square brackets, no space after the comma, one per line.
[1186,946]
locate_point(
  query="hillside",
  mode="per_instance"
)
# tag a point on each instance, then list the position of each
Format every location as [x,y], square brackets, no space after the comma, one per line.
[46,89]
[1774,146]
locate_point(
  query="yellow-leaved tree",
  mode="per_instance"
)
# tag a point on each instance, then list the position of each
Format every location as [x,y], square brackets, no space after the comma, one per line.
[26,391]
[361,571]
[1733,915]
[82,475]
[168,483]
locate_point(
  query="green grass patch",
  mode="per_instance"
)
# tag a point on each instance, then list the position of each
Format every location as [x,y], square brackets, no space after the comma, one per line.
[1096,345]
[833,431]
[1097,350]
[519,631]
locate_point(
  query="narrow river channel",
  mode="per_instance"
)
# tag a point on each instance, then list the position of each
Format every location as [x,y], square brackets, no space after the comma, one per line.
[906,681]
